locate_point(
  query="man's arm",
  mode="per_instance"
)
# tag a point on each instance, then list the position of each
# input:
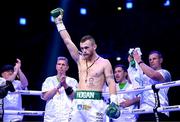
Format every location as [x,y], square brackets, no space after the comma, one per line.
[68,89]
[58,16]
[23,79]
[73,50]
[108,72]
[153,74]
[21,75]
[112,110]
[16,69]
[47,92]
[129,102]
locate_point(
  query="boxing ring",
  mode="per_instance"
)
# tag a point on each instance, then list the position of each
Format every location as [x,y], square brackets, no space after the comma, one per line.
[135,111]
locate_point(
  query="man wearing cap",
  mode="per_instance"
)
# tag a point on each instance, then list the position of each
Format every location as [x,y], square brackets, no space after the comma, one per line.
[20,82]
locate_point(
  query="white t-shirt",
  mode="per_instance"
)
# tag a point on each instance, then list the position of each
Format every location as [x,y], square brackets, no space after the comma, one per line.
[13,102]
[147,98]
[121,98]
[57,109]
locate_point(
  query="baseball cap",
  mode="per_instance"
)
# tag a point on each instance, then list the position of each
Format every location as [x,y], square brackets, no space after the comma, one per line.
[7,67]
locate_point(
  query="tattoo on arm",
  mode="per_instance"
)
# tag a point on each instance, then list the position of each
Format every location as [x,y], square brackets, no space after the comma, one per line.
[109,78]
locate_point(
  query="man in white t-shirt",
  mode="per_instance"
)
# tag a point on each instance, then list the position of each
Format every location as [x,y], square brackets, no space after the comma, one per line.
[153,74]
[127,101]
[58,91]
[20,82]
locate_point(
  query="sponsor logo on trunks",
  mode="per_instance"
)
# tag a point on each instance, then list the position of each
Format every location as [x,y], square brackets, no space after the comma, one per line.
[83,107]
[85,95]
[99,116]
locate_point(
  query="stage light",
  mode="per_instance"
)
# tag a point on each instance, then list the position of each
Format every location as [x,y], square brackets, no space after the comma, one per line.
[118,58]
[129,4]
[167,3]
[119,8]
[51,19]
[83,11]
[22,21]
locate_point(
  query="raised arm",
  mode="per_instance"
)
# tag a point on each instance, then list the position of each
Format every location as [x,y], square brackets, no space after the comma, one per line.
[150,72]
[23,79]
[21,75]
[16,70]
[73,50]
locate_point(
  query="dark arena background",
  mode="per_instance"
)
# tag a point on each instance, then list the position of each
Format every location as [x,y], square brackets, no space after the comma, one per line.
[116,26]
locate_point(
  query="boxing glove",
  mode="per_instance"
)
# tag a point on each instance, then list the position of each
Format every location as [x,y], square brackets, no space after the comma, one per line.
[57,14]
[113,110]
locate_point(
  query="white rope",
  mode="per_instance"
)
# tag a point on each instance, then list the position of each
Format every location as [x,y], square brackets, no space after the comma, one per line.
[135,111]
[149,87]
[27,113]
[139,89]
[26,92]
[159,109]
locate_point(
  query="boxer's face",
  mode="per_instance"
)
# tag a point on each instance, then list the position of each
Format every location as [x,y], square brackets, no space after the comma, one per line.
[87,48]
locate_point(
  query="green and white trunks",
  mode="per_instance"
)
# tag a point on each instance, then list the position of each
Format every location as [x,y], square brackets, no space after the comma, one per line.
[88,106]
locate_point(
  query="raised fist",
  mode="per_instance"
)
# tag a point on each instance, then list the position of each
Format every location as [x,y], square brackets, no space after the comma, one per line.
[57,12]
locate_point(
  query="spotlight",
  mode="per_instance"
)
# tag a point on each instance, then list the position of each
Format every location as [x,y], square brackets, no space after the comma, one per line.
[51,19]
[118,58]
[22,21]
[166,3]
[119,8]
[129,4]
[83,11]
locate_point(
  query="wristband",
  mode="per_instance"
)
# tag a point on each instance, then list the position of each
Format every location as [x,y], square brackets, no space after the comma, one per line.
[140,62]
[69,90]
[60,27]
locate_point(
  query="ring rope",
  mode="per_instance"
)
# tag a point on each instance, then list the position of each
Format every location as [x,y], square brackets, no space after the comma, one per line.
[138,89]
[135,111]
[159,109]
[26,92]
[27,113]
[149,87]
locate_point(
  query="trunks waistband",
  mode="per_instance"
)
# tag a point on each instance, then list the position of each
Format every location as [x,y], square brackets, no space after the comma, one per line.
[94,95]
